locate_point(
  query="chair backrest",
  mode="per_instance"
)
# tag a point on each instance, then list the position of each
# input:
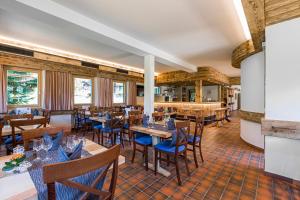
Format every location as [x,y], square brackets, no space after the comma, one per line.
[8,118]
[62,172]
[29,135]
[199,127]
[47,115]
[157,116]
[134,112]
[182,132]
[20,124]
[117,120]
[1,127]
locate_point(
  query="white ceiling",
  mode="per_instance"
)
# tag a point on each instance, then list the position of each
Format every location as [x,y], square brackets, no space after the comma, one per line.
[198,32]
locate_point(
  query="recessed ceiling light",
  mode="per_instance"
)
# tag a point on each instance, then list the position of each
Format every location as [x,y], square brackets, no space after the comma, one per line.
[240,11]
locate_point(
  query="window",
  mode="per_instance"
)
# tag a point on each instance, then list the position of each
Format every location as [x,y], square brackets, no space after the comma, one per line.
[118,93]
[83,91]
[22,87]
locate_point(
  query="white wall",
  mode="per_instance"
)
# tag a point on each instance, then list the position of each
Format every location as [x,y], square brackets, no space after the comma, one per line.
[210,91]
[282,156]
[252,97]
[251,133]
[252,83]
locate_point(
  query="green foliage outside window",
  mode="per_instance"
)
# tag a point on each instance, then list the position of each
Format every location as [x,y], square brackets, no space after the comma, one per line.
[22,88]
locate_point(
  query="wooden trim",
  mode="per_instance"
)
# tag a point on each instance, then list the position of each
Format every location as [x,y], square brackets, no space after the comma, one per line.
[279,128]
[235,80]
[277,11]
[242,52]
[251,116]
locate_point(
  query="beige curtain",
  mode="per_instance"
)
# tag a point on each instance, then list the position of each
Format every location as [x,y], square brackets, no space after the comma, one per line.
[3,104]
[131,93]
[103,92]
[58,91]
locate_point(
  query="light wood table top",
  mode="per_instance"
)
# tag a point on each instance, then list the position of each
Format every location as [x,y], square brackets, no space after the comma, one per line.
[150,131]
[7,130]
[23,186]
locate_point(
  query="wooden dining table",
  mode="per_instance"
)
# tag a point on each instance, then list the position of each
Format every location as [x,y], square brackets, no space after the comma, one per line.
[21,186]
[7,130]
[156,135]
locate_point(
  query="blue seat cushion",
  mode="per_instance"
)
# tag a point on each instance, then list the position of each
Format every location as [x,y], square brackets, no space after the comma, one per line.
[191,139]
[8,140]
[145,140]
[126,126]
[167,146]
[139,134]
[99,126]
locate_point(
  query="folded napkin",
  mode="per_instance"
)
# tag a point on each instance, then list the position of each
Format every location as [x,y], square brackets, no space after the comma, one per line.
[56,140]
[146,120]
[182,134]
[64,156]
[171,124]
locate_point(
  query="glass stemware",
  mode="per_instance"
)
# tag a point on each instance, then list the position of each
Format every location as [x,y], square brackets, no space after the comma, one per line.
[37,146]
[46,145]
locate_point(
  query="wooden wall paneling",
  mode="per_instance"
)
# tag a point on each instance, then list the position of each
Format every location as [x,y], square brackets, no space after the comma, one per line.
[198,91]
[235,80]
[58,59]
[242,52]
[281,10]
[278,128]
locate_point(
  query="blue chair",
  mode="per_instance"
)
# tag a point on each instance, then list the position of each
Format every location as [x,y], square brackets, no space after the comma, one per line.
[196,139]
[175,147]
[140,139]
[113,128]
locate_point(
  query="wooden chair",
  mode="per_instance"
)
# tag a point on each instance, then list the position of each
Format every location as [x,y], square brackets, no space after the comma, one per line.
[61,173]
[29,135]
[180,148]
[196,139]
[158,116]
[21,124]
[8,118]
[133,115]
[47,115]
[140,139]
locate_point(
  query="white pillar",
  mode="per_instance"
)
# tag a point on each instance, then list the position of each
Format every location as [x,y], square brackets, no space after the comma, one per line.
[149,66]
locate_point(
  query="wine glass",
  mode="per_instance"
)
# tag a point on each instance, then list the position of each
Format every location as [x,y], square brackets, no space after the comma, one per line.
[37,146]
[70,143]
[81,138]
[46,145]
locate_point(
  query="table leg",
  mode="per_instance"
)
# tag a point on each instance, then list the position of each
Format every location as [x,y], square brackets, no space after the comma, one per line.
[155,140]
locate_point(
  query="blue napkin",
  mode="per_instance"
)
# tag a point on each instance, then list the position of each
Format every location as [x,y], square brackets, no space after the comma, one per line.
[56,141]
[146,120]
[182,134]
[107,116]
[171,124]
[63,156]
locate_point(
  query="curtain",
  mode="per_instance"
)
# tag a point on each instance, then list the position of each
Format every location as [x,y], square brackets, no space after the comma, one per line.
[131,93]
[3,104]
[58,91]
[103,92]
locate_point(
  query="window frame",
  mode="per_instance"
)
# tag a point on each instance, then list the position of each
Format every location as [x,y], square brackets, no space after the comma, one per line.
[73,91]
[124,92]
[40,82]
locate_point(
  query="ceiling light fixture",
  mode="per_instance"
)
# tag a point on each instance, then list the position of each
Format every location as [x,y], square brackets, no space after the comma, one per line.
[240,11]
[67,54]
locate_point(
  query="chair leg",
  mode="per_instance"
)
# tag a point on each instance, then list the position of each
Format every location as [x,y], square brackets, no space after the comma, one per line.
[133,154]
[177,170]
[146,157]
[186,163]
[168,160]
[121,139]
[201,152]
[98,136]
[94,134]
[102,139]
[195,156]
[129,137]
[155,161]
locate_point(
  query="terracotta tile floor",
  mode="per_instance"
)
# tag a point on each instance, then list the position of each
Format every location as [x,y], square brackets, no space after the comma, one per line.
[231,170]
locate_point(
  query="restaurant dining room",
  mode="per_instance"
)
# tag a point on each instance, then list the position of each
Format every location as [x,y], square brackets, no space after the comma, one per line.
[140,99]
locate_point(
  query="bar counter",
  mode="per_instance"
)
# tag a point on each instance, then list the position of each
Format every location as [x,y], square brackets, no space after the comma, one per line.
[208,108]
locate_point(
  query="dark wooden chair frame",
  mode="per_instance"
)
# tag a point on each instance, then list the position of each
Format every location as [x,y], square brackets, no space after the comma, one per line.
[199,127]
[184,141]
[61,173]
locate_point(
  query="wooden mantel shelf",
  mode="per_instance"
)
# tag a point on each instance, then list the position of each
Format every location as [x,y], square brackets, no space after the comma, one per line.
[278,128]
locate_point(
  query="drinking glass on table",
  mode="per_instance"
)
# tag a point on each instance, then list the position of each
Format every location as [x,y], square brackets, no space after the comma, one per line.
[37,147]
[70,143]
[46,145]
